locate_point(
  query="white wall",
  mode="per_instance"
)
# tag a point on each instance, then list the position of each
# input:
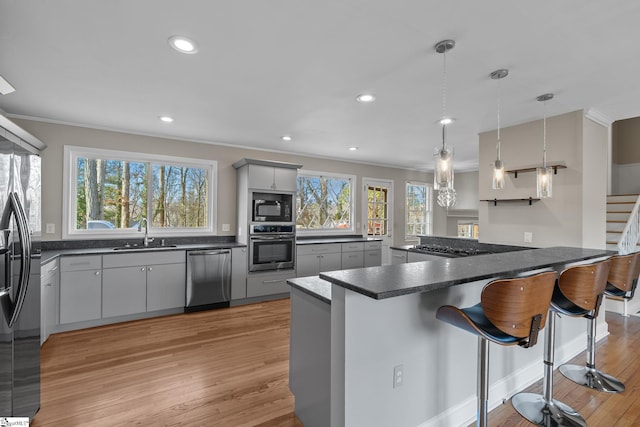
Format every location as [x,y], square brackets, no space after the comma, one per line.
[570,217]
[58,135]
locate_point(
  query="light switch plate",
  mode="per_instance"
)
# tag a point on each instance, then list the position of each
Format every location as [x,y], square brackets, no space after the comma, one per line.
[50,228]
[528,237]
[226,227]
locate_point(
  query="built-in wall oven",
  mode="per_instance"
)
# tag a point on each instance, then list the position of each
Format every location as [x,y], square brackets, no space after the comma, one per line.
[271,247]
[272,207]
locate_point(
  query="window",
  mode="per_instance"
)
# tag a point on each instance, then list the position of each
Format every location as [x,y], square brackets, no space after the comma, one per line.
[324,203]
[418,210]
[468,229]
[109,192]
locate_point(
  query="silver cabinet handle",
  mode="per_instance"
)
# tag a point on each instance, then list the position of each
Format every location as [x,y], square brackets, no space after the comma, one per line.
[142,269]
[272,281]
[97,273]
[150,268]
[54,268]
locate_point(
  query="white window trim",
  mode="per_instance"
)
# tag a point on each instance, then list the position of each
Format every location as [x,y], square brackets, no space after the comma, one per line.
[69,195]
[352,211]
[412,238]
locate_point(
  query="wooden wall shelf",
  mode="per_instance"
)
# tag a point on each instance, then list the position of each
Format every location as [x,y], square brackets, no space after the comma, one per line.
[533,169]
[495,201]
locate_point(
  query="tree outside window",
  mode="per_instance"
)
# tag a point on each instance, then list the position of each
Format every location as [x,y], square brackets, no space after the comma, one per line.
[324,203]
[418,210]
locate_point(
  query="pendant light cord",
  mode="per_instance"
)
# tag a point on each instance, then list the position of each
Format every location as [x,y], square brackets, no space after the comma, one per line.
[444,94]
[499,107]
[544,136]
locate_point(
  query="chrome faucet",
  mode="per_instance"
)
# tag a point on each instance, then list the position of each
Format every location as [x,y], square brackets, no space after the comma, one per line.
[147,239]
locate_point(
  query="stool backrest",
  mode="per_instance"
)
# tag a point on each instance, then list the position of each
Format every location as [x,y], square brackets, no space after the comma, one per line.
[624,270]
[512,304]
[584,285]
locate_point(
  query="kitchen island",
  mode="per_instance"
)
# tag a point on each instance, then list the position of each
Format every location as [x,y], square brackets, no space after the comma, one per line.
[382,320]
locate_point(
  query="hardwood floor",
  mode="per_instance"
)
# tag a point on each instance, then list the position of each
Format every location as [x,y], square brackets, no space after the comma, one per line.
[229,367]
[225,367]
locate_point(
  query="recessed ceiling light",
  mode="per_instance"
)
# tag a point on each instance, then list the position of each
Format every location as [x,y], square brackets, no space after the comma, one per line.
[353,148]
[183,44]
[166,119]
[365,98]
[286,138]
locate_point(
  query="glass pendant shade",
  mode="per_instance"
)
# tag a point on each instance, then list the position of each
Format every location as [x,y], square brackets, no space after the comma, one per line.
[544,182]
[498,175]
[443,177]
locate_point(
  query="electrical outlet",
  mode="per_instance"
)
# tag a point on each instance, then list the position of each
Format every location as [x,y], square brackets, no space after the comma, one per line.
[528,237]
[50,228]
[226,227]
[398,376]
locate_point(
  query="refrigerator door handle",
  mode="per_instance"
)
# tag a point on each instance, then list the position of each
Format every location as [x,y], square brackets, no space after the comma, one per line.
[25,255]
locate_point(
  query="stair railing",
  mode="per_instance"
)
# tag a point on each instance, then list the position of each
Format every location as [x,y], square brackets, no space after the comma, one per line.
[631,233]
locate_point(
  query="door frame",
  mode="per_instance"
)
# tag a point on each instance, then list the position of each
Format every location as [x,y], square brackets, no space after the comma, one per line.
[387,240]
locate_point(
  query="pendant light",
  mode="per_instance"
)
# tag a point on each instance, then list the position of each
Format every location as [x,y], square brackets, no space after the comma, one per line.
[544,175]
[443,174]
[498,166]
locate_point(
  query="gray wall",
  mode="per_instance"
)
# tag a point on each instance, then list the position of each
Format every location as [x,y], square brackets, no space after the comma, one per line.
[575,215]
[58,135]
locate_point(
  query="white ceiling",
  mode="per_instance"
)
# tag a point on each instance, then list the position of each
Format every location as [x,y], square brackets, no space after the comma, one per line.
[272,67]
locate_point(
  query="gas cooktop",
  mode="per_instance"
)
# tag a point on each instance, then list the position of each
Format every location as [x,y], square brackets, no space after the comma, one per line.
[448,250]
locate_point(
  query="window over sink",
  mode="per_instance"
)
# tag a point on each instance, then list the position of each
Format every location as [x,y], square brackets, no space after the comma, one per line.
[325,203]
[109,192]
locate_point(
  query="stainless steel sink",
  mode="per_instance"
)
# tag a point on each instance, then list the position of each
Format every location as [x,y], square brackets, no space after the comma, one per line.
[141,247]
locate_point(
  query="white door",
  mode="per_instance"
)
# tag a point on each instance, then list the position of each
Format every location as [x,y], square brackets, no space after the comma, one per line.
[377,213]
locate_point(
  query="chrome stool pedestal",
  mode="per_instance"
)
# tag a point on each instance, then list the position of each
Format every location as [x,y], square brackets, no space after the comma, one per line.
[542,409]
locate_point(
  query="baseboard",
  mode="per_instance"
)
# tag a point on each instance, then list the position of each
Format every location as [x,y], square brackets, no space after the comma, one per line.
[464,413]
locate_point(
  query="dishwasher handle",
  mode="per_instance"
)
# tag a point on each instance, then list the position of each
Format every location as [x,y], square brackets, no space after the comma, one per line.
[205,252]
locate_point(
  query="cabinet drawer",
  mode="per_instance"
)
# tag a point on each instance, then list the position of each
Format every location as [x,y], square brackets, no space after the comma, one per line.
[353,247]
[81,263]
[270,284]
[321,248]
[372,246]
[144,258]
[373,258]
[352,260]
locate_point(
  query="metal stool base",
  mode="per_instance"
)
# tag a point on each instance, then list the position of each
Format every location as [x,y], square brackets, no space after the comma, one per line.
[534,408]
[592,378]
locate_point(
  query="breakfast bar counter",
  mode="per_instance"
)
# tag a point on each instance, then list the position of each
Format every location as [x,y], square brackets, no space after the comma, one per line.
[381,320]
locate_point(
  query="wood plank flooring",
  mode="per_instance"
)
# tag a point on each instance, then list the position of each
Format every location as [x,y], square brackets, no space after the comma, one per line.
[229,367]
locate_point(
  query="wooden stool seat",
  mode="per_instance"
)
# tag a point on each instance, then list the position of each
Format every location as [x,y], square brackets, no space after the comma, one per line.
[510,312]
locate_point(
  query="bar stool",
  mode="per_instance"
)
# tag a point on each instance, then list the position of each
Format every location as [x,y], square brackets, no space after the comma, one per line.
[510,312]
[623,279]
[578,293]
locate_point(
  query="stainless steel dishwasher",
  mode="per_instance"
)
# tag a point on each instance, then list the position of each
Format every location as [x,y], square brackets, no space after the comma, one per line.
[208,279]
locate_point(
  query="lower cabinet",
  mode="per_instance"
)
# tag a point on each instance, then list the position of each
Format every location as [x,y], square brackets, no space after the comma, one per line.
[398,256]
[166,286]
[124,291]
[48,303]
[80,288]
[260,284]
[312,259]
[239,270]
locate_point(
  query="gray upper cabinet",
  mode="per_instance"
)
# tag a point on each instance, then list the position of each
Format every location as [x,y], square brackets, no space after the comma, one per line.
[267,175]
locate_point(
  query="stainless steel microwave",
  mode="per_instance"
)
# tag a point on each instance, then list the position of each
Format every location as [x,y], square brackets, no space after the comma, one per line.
[272,207]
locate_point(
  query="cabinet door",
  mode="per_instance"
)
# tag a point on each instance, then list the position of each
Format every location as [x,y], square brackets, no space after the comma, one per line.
[286,179]
[373,258]
[166,286]
[307,265]
[238,273]
[398,257]
[352,260]
[80,295]
[124,291]
[332,261]
[272,178]
[48,301]
[268,283]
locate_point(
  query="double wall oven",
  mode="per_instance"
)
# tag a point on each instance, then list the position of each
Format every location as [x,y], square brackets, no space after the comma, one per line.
[272,232]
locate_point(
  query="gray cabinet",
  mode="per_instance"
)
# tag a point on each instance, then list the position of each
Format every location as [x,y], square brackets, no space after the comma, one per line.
[261,284]
[124,291]
[239,270]
[48,302]
[372,253]
[398,256]
[272,178]
[166,286]
[80,288]
[312,259]
[352,255]
[140,282]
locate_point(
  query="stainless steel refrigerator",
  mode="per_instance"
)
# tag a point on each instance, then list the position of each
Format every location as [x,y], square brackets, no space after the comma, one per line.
[20,231]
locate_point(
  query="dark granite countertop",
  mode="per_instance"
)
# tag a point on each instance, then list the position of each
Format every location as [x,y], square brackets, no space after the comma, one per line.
[320,240]
[49,255]
[394,280]
[314,286]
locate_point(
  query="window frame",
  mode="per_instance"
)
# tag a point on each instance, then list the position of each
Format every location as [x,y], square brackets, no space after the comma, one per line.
[428,209]
[69,192]
[352,207]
